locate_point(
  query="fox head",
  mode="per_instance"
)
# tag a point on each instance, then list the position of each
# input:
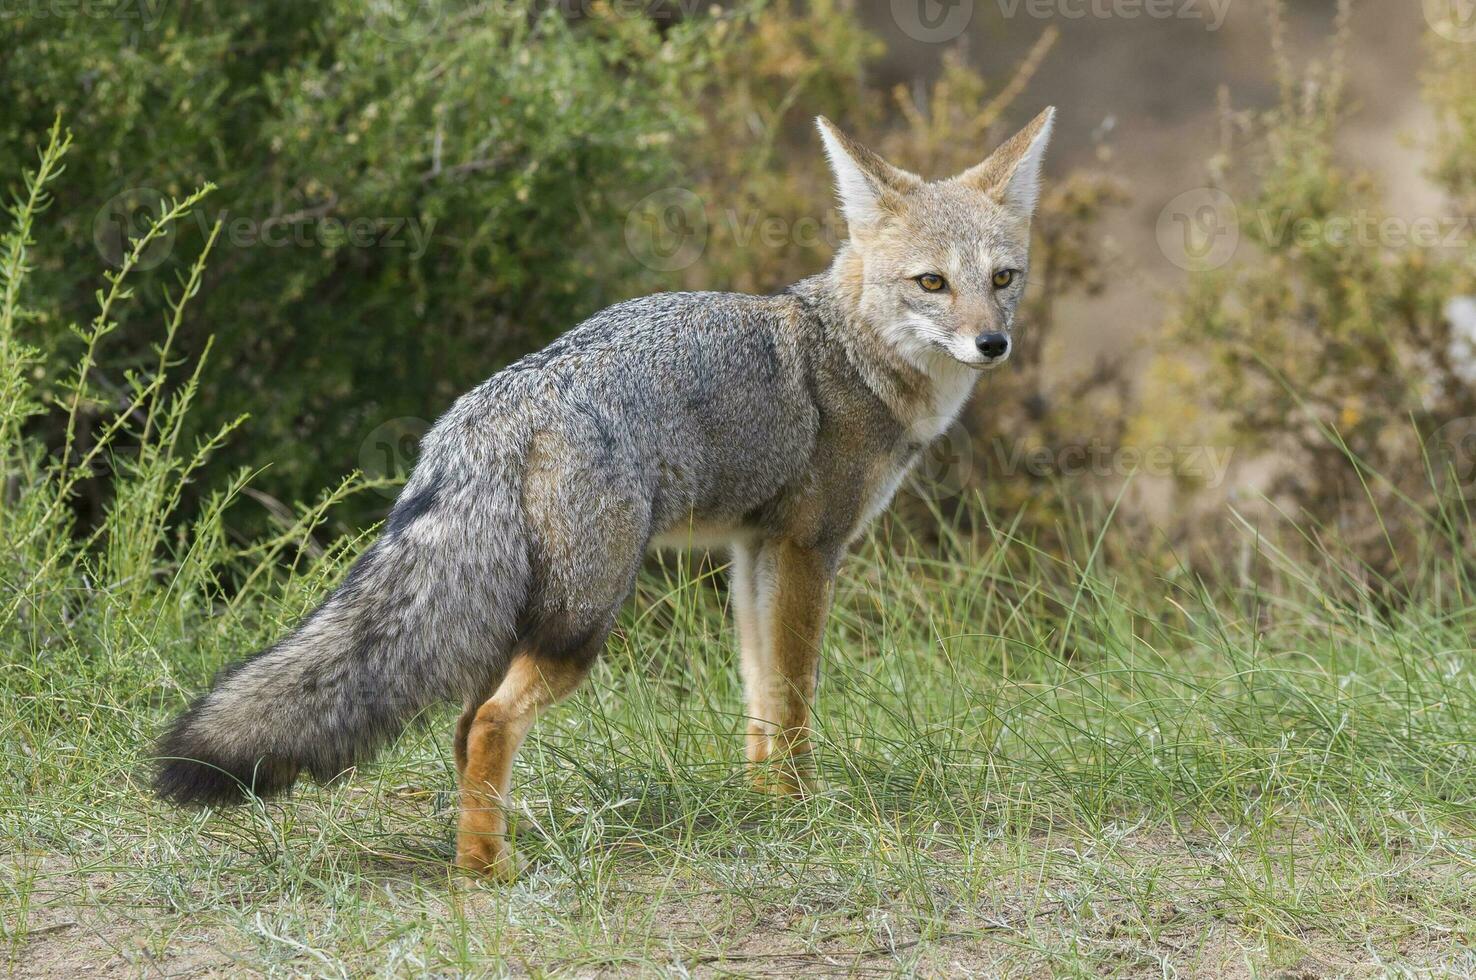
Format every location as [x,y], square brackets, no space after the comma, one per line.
[937,268]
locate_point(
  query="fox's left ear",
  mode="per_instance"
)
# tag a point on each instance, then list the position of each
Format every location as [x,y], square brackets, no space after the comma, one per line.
[1011,175]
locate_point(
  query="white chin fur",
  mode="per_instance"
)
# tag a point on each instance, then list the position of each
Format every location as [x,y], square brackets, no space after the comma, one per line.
[962,351]
[979,364]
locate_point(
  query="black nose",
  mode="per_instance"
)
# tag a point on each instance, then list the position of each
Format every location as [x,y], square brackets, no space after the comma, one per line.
[992,345]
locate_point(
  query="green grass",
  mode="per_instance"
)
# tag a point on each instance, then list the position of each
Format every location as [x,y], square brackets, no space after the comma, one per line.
[1042,764]
[1169,785]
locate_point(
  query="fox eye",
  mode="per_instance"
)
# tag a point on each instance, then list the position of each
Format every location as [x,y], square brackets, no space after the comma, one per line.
[1004,278]
[932,282]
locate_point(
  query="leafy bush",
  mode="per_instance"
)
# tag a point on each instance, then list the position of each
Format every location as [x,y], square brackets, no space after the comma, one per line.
[405,206]
[1328,350]
[71,597]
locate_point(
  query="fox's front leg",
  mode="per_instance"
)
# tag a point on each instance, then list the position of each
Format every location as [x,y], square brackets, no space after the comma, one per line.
[750,583]
[792,587]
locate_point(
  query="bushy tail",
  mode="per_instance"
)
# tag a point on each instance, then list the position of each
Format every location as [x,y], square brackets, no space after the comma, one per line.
[407,629]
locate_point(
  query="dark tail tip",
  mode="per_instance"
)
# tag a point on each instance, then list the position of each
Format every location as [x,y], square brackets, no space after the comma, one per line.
[192,782]
[190,773]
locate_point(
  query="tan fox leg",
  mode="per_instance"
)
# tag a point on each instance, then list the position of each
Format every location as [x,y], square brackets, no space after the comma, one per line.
[747,596]
[494,734]
[794,625]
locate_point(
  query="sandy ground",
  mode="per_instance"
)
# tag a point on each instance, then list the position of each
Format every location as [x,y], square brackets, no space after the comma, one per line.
[1033,923]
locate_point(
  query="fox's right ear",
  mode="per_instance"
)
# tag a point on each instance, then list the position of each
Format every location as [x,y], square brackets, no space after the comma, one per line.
[869,187]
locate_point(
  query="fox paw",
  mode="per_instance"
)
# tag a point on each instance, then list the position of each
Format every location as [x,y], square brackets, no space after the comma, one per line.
[500,862]
[778,779]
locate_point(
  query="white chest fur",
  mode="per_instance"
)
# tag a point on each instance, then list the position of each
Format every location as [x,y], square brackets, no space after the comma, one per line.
[950,394]
[881,490]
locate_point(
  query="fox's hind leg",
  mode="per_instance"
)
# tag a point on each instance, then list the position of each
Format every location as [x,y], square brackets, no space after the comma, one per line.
[496,730]
[463,729]
[586,546]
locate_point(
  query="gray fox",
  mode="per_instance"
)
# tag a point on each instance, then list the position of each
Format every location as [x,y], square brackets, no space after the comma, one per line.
[776,427]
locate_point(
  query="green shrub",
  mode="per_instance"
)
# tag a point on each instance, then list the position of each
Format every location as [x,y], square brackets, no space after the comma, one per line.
[73,596]
[1326,347]
[405,206]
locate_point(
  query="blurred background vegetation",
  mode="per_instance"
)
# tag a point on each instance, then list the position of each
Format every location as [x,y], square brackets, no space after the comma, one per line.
[411,195]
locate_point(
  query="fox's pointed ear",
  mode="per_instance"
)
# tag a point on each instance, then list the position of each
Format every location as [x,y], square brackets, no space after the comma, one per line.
[867,185]
[1011,175]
